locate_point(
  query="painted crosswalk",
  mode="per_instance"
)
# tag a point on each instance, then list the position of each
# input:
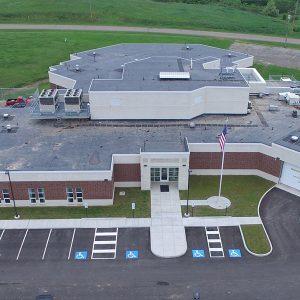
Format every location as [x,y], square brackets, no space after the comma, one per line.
[214,242]
[105,243]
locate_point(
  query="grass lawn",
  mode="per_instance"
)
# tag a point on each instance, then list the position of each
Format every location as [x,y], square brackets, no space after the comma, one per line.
[266,70]
[244,192]
[121,208]
[256,239]
[144,13]
[25,56]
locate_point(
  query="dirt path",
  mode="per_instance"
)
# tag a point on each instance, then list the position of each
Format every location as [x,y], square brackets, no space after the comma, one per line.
[283,57]
[229,35]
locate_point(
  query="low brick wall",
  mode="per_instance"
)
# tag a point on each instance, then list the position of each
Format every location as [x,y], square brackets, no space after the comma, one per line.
[56,190]
[127,173]
[236,160]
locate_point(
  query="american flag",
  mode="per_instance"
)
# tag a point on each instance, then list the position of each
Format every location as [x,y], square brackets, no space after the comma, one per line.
[222,138]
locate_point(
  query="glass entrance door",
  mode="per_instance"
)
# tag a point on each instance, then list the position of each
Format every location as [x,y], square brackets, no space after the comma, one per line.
[164,174]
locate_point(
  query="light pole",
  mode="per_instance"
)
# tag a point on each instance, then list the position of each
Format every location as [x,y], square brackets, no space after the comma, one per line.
[187,214]
[17,216]
[287,29]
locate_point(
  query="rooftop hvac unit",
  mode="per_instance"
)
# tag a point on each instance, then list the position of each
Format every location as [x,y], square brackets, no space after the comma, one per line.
[73,100]
[48,101]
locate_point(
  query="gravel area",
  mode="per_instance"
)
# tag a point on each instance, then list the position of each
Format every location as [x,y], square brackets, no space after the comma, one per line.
[283,57]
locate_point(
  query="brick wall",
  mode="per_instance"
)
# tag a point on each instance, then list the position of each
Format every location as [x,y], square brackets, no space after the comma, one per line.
[236,160]
[56,190]
[127,172]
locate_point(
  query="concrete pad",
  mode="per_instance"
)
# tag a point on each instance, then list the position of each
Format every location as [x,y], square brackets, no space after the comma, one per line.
[218,202]
[215,202]
[168,241]
[167,233]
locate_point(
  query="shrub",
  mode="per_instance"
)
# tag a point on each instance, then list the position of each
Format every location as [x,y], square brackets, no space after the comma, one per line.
[271,9]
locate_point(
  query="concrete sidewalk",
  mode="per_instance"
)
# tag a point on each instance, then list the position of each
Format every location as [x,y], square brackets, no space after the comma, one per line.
[126,222]
[75,223]
[220,221]
[167,232]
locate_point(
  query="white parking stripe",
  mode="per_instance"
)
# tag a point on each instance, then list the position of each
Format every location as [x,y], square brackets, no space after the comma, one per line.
[116,243]
[104,242]
[2,234]
[46,244]
[106,233]
[71,243]
[99,243]
[22,244]
[214,240]
[104,251]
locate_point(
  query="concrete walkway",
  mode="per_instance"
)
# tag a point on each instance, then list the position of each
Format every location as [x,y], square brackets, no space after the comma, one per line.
[215,34]
[167,231]
[123,222]
[214,202]
[220,221]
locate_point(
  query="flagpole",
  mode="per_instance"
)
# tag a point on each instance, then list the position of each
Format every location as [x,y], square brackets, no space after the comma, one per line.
[222,167]
[221,176]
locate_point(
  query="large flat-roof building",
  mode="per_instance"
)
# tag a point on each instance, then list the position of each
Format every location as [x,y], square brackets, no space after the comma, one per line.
[157,81]
[74,144]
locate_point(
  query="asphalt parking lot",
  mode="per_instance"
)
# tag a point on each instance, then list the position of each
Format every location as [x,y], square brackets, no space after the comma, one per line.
[109,243]
[280,213]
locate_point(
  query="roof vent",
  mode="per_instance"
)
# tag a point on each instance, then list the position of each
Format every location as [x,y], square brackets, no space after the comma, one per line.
[294,138]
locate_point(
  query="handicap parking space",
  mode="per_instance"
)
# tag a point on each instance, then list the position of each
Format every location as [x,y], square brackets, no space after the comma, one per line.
[10,243]
[58,247]
[82,242]
[232,241]
[196,243]
[34,244]
[131,240]
[215,243]
[114,243]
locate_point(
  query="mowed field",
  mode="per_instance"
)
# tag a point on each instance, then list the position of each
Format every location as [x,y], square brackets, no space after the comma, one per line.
[25,56]
[146,13]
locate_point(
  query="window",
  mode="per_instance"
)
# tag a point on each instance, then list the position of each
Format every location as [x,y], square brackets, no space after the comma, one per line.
[6,198]
[79,195]
[41,194]
[32,196]
[173,174]
[155,174]
[70,195]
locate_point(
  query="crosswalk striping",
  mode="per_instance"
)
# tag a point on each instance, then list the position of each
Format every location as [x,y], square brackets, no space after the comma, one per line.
[105,243]
[214,242]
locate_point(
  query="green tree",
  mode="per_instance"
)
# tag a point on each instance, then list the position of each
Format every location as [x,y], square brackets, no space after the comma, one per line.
[285,6]
[271,9]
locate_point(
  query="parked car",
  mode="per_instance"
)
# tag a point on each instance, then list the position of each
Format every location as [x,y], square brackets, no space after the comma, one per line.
[20,99]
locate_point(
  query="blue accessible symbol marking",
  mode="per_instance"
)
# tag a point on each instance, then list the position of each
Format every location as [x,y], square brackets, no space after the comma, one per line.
[81,255]
[132,254]
[198,253]
[234,253]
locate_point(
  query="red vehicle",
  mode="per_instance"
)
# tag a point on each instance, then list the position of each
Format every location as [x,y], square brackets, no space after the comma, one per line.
[20,99]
